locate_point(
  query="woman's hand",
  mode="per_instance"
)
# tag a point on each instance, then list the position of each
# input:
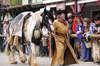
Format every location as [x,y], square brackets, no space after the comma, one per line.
[80,32]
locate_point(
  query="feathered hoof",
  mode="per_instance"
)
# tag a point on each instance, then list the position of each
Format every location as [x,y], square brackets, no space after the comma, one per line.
[29,60]
[7,52]
[13,61]
[58,65]
[23,59]
[32,62]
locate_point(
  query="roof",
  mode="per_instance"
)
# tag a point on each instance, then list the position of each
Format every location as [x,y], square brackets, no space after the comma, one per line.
[23,6]
[15,10]
[37,5]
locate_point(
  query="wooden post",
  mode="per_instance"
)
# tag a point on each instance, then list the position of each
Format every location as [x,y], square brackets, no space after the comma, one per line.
[49,45]
[82,6]
[75,6]
[72,7]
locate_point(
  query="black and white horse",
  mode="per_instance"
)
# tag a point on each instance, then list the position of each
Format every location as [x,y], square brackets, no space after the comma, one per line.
[28,30]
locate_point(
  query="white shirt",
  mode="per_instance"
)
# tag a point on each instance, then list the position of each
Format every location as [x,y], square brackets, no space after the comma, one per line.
[79,30]
[45,31]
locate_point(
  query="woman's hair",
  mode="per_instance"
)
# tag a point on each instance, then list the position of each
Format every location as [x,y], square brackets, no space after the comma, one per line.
[78,19]
[97,17]
[88,21]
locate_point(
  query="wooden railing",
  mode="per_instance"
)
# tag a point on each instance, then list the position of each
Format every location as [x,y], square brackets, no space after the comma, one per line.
[91,36]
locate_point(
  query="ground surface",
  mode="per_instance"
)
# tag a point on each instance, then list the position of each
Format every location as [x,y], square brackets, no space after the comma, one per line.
[43,61]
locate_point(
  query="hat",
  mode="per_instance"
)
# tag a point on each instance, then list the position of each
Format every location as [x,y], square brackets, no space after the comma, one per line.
[97,17]
[69,15]
[60,11]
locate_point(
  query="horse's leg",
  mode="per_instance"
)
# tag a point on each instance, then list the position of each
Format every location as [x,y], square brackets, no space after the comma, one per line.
[11,56]
[7,48]
[11,53]
[15,43]
[10,41]
[32,59]
[22,57]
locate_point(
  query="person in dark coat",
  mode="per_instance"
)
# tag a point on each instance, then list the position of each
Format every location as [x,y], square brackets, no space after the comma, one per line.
[70,21]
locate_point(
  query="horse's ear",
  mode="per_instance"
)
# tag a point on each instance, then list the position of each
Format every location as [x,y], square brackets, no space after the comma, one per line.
[29,14]
[45,10]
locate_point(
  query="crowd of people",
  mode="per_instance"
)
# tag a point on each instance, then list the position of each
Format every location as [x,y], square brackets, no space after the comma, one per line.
[89,48]
[84,28]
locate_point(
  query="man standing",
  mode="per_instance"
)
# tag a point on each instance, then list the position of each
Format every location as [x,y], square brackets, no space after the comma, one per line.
[70,21]
[45,41]
[61,27]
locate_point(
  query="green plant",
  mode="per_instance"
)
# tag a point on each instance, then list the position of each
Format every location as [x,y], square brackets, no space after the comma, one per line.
[15,2]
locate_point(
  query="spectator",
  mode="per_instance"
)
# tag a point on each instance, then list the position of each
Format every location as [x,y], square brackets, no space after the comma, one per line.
[96,44]
[45,41]
[80,32]
[97,22]
[69,15]
[87,45]
[92,26]
[70,21]
[77,16]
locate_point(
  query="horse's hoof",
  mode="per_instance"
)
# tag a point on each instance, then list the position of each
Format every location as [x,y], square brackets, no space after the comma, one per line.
[23,59]
[29,61]
[34,64]
[12,61]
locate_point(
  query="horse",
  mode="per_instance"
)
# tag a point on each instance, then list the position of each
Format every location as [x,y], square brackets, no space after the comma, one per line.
[28,29]
[49,17]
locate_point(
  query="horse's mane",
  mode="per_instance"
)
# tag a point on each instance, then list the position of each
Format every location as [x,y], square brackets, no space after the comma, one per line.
[37,16]
[39,12]
[26,12]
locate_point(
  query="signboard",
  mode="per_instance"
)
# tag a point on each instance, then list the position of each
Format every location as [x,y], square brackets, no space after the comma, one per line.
[50,1]
[5,2]
[98,2]
[60,6]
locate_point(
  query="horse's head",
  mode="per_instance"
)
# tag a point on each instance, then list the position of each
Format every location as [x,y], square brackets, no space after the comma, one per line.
[47,19]
[40,19]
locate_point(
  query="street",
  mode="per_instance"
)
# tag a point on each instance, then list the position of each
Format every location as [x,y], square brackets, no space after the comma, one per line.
[43,61]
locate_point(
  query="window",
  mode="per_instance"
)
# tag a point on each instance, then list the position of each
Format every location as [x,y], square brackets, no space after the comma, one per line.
[29,1]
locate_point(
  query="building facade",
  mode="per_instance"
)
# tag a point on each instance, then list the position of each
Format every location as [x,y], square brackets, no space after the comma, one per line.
[4,2]
[25,2]
[15,2]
